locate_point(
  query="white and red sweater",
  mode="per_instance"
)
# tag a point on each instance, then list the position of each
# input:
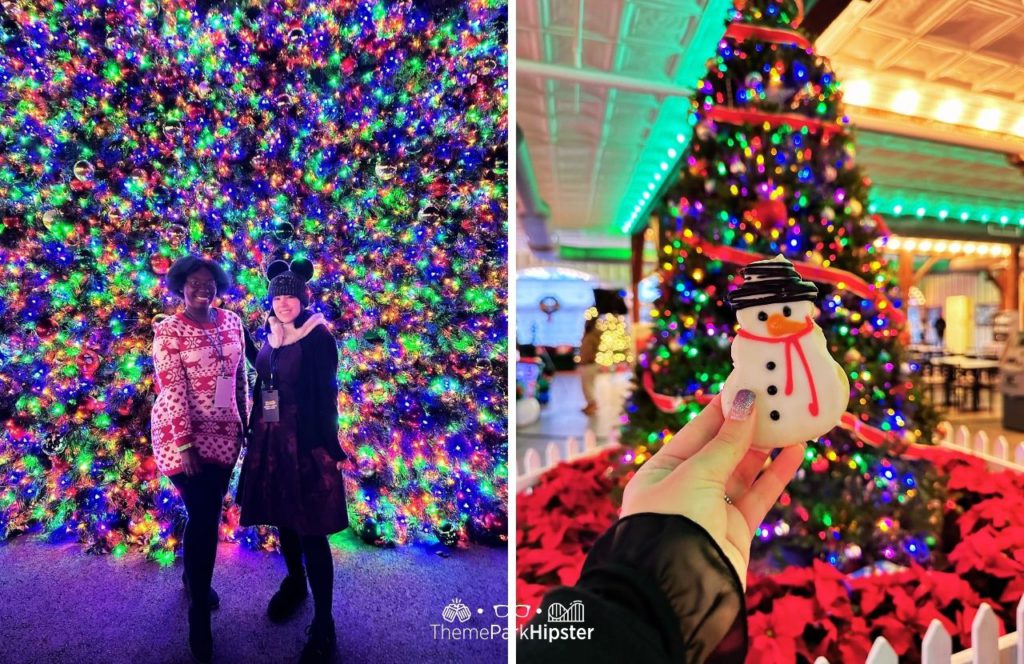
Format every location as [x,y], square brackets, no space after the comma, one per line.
[186,369]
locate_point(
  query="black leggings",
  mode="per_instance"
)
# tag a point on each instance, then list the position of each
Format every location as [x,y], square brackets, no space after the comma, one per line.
[203,495]
[319,566]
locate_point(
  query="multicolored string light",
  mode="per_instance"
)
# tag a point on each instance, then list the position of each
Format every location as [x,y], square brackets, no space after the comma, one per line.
[369,137]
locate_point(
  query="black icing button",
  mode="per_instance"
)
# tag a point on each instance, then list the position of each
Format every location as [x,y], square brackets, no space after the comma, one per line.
[775,415]
[771,366]
[772,389]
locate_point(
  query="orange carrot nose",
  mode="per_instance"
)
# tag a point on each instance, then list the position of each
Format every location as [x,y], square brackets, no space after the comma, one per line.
[780,326]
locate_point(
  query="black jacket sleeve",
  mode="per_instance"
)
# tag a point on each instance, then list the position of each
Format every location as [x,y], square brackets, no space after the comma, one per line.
[251,351]
[325,359]
[654,588]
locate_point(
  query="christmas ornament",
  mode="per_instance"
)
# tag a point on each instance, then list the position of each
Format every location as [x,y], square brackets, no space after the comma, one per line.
[84,170]
[769,212]
[160,264]
[448,534]
[385,172]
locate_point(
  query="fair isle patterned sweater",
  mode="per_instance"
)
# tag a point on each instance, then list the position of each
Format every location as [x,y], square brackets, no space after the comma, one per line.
[186,368]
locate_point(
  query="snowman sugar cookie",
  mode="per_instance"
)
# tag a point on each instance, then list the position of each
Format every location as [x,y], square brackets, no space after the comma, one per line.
[780,353]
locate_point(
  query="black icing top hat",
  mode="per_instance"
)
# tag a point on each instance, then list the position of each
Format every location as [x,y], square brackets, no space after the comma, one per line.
[770,282]
[290,279]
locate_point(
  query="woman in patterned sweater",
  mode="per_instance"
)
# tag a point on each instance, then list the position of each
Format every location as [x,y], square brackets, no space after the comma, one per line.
[202,397]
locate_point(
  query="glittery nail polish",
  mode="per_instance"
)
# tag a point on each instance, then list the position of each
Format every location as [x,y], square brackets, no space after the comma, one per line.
[742,405]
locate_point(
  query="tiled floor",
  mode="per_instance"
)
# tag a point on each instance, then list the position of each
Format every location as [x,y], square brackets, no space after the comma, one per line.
[561,418]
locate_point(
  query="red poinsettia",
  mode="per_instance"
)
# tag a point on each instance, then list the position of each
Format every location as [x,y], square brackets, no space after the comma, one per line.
[800,613]
[774,635]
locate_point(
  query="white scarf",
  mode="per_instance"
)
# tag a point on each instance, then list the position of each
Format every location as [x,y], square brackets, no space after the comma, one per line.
[282,334]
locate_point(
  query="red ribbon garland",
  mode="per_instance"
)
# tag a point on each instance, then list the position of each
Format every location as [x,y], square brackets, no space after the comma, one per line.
[817,273]
[740,115]
[792,341]
[745,31]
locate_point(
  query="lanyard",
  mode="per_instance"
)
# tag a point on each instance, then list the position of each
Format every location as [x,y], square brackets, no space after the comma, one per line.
[274,353]
[217,347]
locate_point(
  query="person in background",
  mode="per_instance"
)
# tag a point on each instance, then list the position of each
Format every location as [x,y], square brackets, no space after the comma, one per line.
[291,476]
[940,328]
[665,582]
[588,363]
[201,400]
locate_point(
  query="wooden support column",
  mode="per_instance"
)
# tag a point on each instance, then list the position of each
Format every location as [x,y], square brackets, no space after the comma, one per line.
[1011,295]
[636,270]
[906,277]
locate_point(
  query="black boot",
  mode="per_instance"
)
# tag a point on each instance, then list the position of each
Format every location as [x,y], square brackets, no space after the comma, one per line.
[200,637]
[214,597]
[322,643]
[287,600]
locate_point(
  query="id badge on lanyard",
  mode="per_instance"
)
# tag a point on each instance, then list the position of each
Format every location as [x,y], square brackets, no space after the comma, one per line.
[271,405]
[225,395]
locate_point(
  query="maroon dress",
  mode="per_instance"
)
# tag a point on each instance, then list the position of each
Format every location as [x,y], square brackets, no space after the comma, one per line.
[280,485]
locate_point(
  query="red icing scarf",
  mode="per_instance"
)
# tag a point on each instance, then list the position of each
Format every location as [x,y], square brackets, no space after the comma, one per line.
[792,341]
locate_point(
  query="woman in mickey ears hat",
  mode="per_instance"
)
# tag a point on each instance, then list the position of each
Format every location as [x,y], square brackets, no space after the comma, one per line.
[291,477]
[201,400]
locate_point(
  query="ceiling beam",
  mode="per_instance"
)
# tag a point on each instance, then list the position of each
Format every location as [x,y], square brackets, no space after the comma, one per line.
[600,79]
[901,125]
[532,211]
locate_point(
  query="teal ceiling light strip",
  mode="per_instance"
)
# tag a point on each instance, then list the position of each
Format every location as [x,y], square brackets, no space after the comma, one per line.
[951,209]
[671,132]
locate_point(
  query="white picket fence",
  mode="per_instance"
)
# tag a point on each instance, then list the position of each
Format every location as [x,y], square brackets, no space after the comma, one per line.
[998,453]
[937,646]
[534,464]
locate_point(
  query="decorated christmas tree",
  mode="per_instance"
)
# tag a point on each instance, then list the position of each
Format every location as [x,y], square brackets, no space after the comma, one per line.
[368,137]
[771,169]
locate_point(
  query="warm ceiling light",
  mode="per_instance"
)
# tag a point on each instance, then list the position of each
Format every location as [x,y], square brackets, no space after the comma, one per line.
[989,119]
[969,248]
[1018,128]
[955,247]
[983,250]
[949,111]
[894,244]
[926,246]
[940,246]
[906,102]
[857,93]
[910,245]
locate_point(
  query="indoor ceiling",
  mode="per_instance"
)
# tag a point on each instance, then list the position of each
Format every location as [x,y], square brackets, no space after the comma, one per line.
[933,64]
[934,89]
[600,95]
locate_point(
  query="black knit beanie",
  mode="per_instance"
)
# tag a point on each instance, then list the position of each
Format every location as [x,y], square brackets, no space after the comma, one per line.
[290,280]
